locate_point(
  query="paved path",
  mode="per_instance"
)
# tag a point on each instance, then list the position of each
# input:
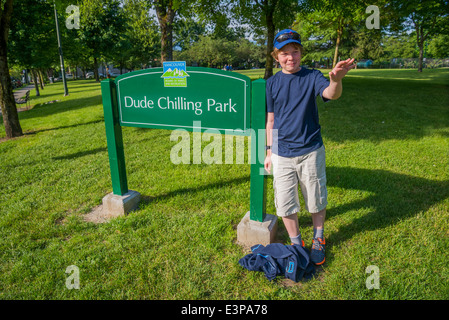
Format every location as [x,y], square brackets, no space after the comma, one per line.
[19,94]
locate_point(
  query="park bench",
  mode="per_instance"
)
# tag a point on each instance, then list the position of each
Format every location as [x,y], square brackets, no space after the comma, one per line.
[24,99]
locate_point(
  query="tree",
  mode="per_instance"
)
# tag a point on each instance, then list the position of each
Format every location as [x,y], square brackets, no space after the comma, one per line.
[7,102]
[267,16]
[426,17]
[102,23]
[247,54]
[343,17]
[399,45]
[167,10]
[186,32]
[209,52]
[367,44]
[141,39]
[32,38]
[439,47]
[318,36]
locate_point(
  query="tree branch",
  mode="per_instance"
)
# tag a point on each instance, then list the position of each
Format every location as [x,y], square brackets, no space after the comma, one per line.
[429,30]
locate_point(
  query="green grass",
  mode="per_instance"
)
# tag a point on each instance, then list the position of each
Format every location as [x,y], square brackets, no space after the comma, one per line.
[387,165]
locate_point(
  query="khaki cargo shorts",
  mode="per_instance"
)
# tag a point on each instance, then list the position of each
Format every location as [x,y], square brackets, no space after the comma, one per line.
[307,172]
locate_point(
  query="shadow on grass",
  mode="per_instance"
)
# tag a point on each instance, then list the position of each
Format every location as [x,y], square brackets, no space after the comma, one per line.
[146,199]
[46,95]
[80,154]
[385,109]
[43,110]
[395,197]
[64,127]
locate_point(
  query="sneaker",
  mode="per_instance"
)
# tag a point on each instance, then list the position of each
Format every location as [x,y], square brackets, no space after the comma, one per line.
[317,253]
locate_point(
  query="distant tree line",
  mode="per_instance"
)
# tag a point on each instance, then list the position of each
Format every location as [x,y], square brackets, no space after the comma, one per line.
[136,34]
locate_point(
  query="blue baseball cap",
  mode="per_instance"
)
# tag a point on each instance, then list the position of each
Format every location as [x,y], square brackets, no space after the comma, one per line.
[286,36]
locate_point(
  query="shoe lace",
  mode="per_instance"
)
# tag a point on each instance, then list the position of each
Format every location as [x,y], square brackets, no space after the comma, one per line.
[316,244]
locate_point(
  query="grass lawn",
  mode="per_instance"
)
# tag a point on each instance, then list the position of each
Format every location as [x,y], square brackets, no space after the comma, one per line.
[388,182]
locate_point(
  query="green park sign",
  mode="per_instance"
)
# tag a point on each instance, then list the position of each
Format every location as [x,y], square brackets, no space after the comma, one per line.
[180,97]
[150,99]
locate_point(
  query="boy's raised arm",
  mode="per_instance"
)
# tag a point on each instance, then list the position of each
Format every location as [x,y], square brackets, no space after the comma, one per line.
[333,91]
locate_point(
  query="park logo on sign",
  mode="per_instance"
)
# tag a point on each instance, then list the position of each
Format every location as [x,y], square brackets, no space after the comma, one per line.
[174,74]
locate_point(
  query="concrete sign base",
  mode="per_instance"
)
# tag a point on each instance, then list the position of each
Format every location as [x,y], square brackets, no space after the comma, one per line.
[115,205]
[251,232]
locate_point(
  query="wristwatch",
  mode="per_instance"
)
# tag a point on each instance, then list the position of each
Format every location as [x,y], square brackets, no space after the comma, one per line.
[267,147]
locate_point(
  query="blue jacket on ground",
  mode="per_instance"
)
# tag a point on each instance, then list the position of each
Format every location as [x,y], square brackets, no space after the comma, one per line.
[291,261]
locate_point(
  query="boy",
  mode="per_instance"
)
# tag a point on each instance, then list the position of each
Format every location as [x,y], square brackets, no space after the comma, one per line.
[297,151]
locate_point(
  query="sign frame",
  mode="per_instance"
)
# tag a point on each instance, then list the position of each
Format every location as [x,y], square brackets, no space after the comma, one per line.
[256,108]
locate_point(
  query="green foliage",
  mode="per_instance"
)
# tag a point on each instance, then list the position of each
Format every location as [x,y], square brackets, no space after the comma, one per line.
[32,41]
[367,44]
[186,32]
[320,29]
[102,23]
[254,13]
[209,51]
[212,52]
[439,47]
[318,35]
[141,42]
[125,33]
[400,46]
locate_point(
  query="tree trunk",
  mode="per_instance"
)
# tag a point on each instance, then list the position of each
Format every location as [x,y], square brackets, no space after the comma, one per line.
[165,16]
[36,84]
[270,40]
[97,77]
[420,40]
[41,78]
[337,45]
[420,59]
[7,101]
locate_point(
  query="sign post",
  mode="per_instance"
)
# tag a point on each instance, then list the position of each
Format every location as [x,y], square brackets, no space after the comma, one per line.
[114,138]
[193,99]
[258,177]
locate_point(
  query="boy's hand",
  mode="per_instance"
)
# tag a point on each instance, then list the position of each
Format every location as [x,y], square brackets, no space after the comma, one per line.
[341,69]
[267,163]
[333,91]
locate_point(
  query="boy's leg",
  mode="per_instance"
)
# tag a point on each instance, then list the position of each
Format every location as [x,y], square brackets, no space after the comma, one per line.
[318,223]
[317,254]
[318,219]
[291,225]
[285,185]
[312,176]
[312,179]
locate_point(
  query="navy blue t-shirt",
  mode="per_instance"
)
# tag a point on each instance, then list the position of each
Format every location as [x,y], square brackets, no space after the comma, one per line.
[292,98]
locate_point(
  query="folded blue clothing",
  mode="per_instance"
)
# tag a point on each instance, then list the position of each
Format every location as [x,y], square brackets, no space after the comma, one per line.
[291,261]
